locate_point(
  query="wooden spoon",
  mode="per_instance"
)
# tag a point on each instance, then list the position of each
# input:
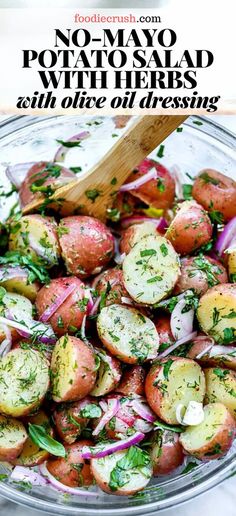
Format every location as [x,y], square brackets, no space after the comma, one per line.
[93,193]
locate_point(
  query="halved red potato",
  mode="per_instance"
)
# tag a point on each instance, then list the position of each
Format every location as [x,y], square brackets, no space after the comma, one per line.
[109,374]
[73,369]
[110,284]
[12,438]
[70,420]
[221,387]
[72,470]
[134,233]
[71,312]
[151,270]
[190,229]
[116,474]
[212,438]
[216,313]
[127,334]
[25,381]
[16,307]
[16,279]
[132,381]
[31,454]
[216,192]
[159,192]
[36,235]
[87,245]
[172,381]
[43,177]
[199,273]
[166,452]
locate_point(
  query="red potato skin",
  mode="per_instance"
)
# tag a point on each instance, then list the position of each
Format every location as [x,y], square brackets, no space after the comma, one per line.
[171,456]
[220,197]
[63,417]
[117,290]
[10,454]
[164,330]
[132,381]
[149,192]
[36,172]
[66,469]
[190,229]
[71,312]
[193,278]
[87,245]
[85,372]
[128,238]
[224,437]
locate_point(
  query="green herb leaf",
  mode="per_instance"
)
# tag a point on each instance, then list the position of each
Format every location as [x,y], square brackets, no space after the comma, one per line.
[164,426]
[197,122]
[148,252]
[208,179]
[187,191]
[134,459]
[36,271]
[40,437]
[166,368]
[92,194]
[164,249]
[90,411]
[160,152]
[190,466]
[69,145]
[221,373]
[76,170]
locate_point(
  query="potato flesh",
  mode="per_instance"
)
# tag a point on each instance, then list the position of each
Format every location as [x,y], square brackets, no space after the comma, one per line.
[20,286]
[186,382]
[129,332]
[106,380]
[64,367]
[19,306]
[151,269]
[24,381]
[221,387]
[36,228]
[232,263]
[138,477]
[196,437]
[12,434]
[216,313]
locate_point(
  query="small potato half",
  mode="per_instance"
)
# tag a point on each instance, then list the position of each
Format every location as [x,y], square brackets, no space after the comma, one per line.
[24,382]
[216,313]
[109,374]
[107,474]
[151,270]
[166,452]
[173,381]
[72,470]
[127,334]
[73,369]
[134,233]
[12,438]
[221,387]
[212,438]
[37,236]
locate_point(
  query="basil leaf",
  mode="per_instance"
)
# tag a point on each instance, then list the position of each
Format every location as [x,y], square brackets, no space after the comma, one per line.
[40,437]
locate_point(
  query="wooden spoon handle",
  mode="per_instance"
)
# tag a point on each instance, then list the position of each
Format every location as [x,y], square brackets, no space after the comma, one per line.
[93,193]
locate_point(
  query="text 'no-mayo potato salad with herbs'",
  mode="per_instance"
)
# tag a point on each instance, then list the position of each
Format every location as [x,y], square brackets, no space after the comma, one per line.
[117,340]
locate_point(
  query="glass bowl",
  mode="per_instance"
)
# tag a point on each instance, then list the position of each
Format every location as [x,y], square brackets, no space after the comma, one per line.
[200,144]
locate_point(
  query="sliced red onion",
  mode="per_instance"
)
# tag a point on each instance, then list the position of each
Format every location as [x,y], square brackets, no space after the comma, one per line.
[8,273]
[97,452]
[119,258]
[222,350]
[95,306]
[62,150]
[127,301]
[21,474]
[180,179]
[151,174]
[121,427]
[204,352]
[143,426]
[226,237]
[103,405]
[174,346]
[143,411]
[113,407]
[17,173]
[43,332]
[181,323]
[58,301]
[5,347]
[62,487]
[90,304]
[161,223]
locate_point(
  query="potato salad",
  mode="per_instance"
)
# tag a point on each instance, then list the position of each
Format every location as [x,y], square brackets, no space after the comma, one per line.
[117,338]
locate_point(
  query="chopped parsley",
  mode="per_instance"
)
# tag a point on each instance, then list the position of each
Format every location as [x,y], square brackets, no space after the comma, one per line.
[135,459]
[160,152]
[164,249]
[148,252]
[187,191]
[92,194]
[208,179]
[69,144]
